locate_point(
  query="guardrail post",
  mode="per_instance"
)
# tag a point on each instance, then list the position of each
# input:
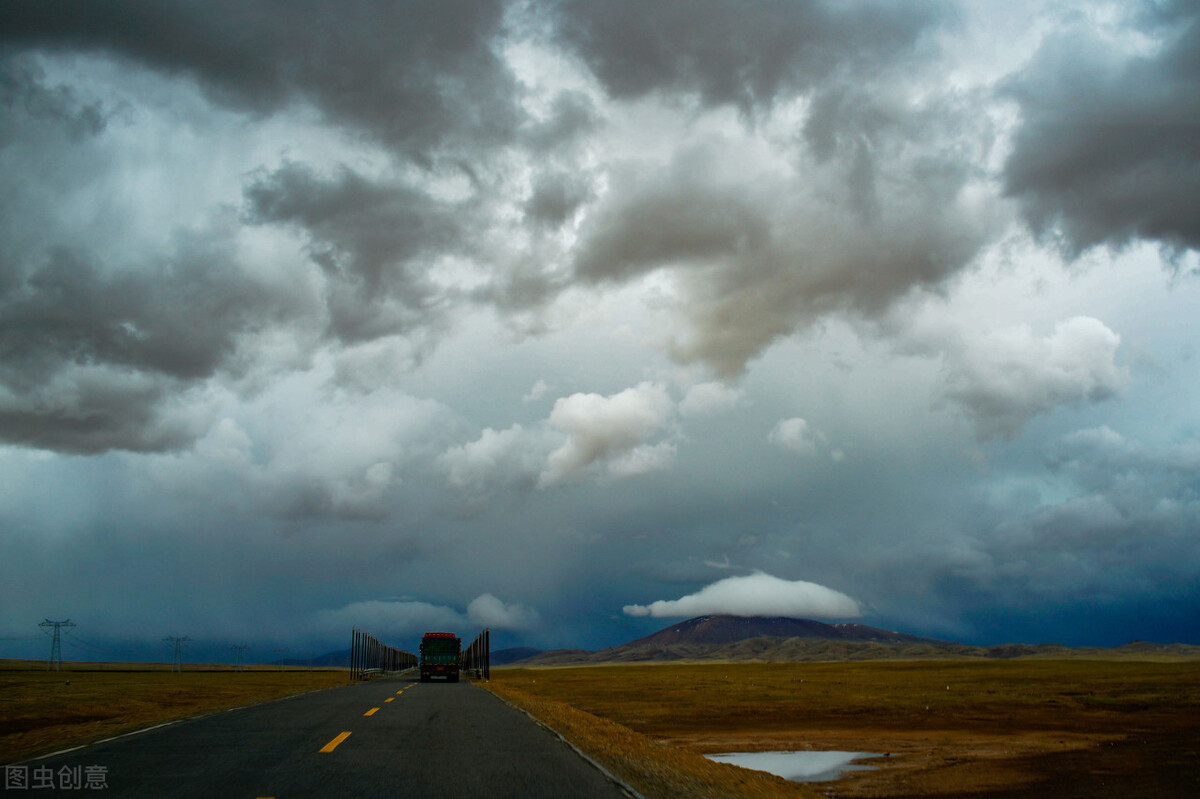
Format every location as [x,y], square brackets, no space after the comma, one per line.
[370,656]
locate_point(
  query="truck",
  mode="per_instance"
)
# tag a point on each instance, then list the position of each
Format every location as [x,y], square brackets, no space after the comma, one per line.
[441,655]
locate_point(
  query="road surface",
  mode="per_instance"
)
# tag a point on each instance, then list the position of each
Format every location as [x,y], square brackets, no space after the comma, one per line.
[393,737]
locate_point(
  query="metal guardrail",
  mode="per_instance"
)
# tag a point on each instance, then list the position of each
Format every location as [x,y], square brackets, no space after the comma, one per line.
[370,658]
[477,656]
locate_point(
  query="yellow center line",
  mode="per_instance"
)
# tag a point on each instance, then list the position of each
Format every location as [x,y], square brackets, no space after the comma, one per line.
[329,747]
[389,699]
[371,712]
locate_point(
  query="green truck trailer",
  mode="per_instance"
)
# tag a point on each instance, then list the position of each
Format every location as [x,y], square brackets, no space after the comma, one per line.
[441,654]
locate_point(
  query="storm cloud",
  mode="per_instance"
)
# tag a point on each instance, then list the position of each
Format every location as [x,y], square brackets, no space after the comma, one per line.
[1107,151]
[724,56]
[516,314]
[415,76]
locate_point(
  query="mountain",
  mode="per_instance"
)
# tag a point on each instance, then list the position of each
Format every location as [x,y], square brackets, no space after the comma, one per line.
[501,657]
[339,659]
[730,629]
[781,639]
[722,637]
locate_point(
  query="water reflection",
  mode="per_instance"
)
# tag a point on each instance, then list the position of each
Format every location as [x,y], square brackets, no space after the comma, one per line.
[797,766]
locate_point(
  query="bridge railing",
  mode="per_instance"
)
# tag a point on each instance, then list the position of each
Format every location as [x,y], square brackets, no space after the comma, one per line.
[476,656]
[369,657]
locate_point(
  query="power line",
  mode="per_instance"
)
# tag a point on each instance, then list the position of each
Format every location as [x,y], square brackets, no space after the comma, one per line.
[23,637]
[88,646]
[177,662]
[55,662]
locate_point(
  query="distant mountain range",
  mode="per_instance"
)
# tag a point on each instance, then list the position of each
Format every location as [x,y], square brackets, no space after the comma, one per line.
[759,638]
[779,639]
[731,629]
[502,657]
[339,659]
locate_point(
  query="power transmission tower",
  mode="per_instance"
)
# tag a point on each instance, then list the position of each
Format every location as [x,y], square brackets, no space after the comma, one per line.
[282,652]
[55,663]
[177,662]
[239,648]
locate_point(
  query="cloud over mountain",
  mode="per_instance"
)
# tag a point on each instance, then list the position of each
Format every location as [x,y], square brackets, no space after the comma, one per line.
[757,594]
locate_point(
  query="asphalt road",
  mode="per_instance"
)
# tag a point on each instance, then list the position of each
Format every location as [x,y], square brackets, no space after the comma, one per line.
[392,737]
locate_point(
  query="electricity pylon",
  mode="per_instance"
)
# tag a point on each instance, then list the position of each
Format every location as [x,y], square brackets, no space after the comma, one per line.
[177,662]
[55,663]
[239,648]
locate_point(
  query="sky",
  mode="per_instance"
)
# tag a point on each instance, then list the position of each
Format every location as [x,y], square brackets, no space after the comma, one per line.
[568,319]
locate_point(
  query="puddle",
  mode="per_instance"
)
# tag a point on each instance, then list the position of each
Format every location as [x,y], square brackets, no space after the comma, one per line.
[797,766]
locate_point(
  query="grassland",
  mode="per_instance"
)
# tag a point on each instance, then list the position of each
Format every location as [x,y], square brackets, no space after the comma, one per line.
[44,711]
[1026,727]
[997,728]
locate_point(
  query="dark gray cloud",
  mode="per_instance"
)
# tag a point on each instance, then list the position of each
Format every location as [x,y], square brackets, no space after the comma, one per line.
[718,51]
[427,80]
[1129,529]
[179,318]
[416,76]
[1105,522]
[556,196]
[683,214]
[373,240]
[96,357]
[572,114]
[870,205]
[1109,145]
[1140,481]
[88,412]
[760,254]
[24,93]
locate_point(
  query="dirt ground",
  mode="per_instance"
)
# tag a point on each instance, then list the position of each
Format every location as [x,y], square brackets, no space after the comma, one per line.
[43,711]
[943,729]
[1029,764]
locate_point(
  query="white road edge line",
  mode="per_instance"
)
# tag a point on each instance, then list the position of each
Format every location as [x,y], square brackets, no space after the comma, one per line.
[166,724]
[620,783]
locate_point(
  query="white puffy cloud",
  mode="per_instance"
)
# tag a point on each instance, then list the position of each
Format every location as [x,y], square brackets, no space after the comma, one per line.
[757,594]
[582,431]
[600,428]
[477,461]
[643,459]
[1005,378]
[705,399]
[794,434]
[486,610]
[384,617]
[538,391]
[393,617]
[301,450]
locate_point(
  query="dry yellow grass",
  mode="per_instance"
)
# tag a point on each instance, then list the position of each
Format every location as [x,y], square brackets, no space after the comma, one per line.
[949,726]
[653,769]
[43,711]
